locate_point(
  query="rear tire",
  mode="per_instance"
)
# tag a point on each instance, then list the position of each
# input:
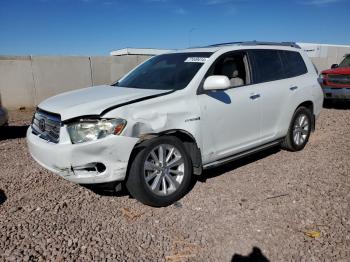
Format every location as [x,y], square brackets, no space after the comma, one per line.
[299,130]
[160,173]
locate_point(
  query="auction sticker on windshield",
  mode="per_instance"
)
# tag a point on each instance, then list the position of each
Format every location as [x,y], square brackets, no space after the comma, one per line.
[196,59]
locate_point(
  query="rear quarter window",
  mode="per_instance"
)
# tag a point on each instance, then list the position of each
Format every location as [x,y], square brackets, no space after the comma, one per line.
[294,64]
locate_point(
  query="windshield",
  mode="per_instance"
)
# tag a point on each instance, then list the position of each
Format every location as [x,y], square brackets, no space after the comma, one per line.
[166,72]
[345,62]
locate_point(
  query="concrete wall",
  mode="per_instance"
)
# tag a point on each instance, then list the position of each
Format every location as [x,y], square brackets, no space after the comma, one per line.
[122,64]
[16,82]
[25,81]
[54,75]
[323,56]
[323,63]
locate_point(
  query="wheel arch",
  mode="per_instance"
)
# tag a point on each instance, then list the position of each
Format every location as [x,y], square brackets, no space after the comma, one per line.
[188,140]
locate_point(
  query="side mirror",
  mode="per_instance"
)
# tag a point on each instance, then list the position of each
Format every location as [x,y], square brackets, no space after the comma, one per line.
[216,83]
[334,66]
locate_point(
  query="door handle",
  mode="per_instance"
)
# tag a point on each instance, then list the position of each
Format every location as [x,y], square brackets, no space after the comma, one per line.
[292,88]
[255,96]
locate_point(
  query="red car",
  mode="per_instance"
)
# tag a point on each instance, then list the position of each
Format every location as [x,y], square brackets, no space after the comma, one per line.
[335,82]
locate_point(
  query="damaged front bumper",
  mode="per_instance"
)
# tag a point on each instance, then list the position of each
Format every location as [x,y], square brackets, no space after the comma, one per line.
[101,161]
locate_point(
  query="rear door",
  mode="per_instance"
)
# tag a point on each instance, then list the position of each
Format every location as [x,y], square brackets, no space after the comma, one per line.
[276,91]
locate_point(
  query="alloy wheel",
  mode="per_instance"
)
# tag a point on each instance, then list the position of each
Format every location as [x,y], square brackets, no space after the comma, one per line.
[301,129]
[164,169]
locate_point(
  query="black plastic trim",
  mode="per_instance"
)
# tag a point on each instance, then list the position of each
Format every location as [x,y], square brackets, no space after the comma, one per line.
[78,118]
[243,154]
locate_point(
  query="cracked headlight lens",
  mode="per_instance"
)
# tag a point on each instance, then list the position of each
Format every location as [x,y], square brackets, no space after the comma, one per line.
[90,130]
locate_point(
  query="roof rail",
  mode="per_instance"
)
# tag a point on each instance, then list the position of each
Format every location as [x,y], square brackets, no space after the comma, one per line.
[223,44]
[291,44]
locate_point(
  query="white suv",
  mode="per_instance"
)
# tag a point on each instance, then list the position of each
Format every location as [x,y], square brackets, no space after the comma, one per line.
[177,114]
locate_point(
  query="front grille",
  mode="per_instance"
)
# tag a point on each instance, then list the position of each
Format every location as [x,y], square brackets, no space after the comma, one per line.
[339,79]
[46,125]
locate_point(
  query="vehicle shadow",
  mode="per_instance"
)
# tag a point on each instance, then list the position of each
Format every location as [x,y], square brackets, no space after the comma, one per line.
[337,104]
[107,189]
[12,132]
[3,197]
[255,256]
[217,171]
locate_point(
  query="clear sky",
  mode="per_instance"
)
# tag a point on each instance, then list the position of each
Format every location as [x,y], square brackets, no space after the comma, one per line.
[96,27]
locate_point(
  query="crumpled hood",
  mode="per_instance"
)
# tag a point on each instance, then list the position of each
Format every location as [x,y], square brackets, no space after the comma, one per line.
[93,100]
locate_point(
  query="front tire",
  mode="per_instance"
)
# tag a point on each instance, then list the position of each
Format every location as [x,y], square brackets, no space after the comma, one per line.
[299,130]
[160,173]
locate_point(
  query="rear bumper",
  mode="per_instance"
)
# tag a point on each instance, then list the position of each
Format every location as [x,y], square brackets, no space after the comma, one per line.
[3,116]
[336,93]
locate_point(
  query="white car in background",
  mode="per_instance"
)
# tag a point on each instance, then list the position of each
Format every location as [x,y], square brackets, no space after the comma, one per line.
[177,114]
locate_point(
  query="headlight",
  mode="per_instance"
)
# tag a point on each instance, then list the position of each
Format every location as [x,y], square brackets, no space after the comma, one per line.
[322,79]
[322,76]
[89,130]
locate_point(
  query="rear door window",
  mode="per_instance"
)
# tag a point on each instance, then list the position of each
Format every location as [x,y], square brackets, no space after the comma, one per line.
[268,65]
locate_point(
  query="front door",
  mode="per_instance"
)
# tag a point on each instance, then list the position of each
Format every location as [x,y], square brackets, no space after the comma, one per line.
[230,120]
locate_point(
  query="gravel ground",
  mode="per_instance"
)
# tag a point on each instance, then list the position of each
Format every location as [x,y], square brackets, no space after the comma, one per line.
[256,209]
